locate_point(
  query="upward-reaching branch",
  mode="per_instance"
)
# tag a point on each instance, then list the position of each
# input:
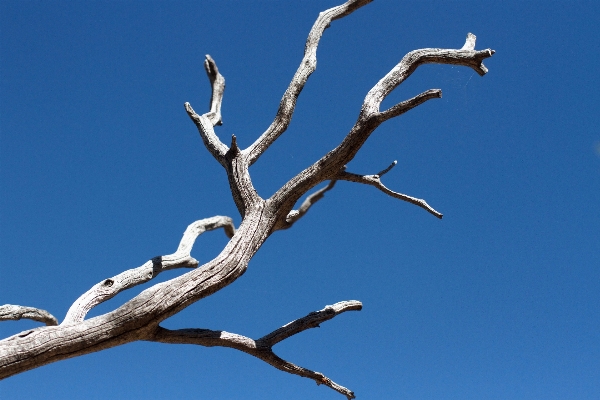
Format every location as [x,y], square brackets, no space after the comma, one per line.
[207,121]
[306,68]
[139,318]
[371,117]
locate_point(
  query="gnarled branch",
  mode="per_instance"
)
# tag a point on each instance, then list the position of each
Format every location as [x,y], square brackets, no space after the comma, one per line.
[109,288]
[9,312]
[467,56]
[262,348]
[306,68]
[370,118]
[217,82]
[139,318]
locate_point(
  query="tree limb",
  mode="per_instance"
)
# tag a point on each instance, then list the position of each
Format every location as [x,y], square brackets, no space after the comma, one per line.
[312,320]
[207,121]
[139,318]
[109,288]
[370,118]
[295,215]
[467,56]
[262,348]
[15,313]
[375,180]
[306,68]
[409,104]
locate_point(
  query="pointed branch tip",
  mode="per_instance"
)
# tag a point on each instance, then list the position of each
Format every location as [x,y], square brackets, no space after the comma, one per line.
[388,169]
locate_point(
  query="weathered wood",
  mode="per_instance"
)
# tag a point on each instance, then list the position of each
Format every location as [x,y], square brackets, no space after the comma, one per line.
[10,312]
[263,348]
[140,317]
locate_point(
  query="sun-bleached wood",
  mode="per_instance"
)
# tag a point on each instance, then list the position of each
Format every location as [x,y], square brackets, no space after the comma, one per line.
[375,180]
[140,317]
[10,312]
[109,288]
[295,215]
[263,348]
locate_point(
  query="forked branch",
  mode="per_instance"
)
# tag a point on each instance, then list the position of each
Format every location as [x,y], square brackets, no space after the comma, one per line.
[467,56]
[262,348]
[206,122]
[375,180]
[139,318]
[109,288]
[371,117]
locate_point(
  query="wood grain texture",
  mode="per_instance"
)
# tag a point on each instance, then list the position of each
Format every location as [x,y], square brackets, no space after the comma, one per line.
[140,317]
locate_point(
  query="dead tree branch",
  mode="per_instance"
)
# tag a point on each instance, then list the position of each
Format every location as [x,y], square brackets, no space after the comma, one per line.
[9,312]
[262,348]
[307,67]
[140,317]
[375,180]
[109,288]
[295,215]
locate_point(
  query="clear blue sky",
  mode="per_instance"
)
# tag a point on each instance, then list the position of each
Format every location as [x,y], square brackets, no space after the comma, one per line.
[101,169]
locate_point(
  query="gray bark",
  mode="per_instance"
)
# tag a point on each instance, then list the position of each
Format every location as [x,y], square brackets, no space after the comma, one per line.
[140,318]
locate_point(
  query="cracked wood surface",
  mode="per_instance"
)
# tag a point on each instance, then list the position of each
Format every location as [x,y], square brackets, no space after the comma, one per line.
[140,317]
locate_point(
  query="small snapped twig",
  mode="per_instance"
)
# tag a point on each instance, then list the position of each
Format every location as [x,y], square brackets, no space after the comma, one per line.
[13,312]
[295,215]
[388,169]
[375,180]
[469,42]
[262,348]
[109,288]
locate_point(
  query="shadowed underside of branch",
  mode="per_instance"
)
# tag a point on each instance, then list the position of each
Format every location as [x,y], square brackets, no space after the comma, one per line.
[140,318]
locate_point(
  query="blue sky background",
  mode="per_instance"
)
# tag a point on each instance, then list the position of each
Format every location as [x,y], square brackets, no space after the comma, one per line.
[101,169]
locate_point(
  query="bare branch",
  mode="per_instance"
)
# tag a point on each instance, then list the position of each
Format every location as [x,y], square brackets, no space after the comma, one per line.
[262,348]
[139,318]
[15,313]
[110,287]
[217,82]
[370,118]
[312,320]
[388,169]
[207,121]
[409,104]
[295,215]
[467,56]
[374,180]
[306,68]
